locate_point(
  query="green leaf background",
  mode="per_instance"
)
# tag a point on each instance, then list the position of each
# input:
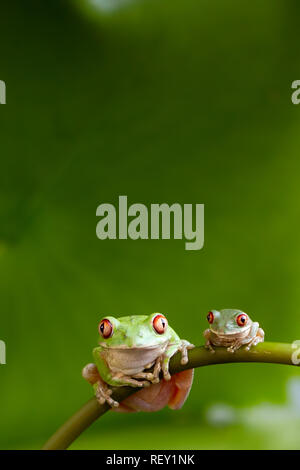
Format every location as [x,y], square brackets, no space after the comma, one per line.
[162,101]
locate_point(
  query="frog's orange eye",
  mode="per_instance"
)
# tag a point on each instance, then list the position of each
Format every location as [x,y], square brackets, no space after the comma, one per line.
[160,324]
[210,317]
[242,319]
[105,328]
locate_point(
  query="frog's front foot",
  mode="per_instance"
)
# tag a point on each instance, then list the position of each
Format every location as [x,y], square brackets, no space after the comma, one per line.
[208,344]
[133,381]
[234,347]
[103,394]
[185,346]
[144,375]
[259,338]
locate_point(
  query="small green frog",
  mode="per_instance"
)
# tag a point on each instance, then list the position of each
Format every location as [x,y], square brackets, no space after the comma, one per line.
[232,328]
[128,346]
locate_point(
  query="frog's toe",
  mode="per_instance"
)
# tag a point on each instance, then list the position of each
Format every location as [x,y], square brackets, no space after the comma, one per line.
[112,403]
[105,398]
[184,360]
[210,348]
[100,400]
[144,375]
[103,394]
[150,377]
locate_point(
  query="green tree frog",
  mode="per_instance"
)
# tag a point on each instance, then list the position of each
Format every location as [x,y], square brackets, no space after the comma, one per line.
[232,328]
[132,351]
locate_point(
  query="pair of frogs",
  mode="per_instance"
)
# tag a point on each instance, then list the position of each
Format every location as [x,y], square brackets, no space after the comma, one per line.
[135,350]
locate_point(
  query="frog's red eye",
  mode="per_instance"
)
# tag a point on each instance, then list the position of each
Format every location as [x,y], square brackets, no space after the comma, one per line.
[242,319]
[210,317]
[160,324]
[105,328]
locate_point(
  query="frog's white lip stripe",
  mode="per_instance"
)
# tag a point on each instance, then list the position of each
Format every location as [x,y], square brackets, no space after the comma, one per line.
[229,335]
[124,346]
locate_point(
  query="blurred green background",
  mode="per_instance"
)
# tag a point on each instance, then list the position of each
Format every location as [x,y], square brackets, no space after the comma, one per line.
[163,101]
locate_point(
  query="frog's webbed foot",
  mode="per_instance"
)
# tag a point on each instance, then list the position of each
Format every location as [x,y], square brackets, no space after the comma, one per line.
[153,376]
[185,346]
[259,338]
[102,391]
[144,375]
[260,335]
[103,394]
[208,344]
[234,347]
[131,381]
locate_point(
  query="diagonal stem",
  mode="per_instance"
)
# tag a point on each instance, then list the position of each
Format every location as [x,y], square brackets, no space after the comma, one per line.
[275,353]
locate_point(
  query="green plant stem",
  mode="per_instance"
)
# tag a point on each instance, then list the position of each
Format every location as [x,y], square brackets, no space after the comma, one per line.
[276,353]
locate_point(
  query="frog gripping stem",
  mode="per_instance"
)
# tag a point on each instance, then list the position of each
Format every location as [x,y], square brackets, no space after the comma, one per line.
[271,353]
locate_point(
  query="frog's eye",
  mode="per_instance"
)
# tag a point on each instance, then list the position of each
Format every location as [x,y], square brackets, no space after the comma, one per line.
[160,324]
[105,328]
[242,319]
[210,317]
